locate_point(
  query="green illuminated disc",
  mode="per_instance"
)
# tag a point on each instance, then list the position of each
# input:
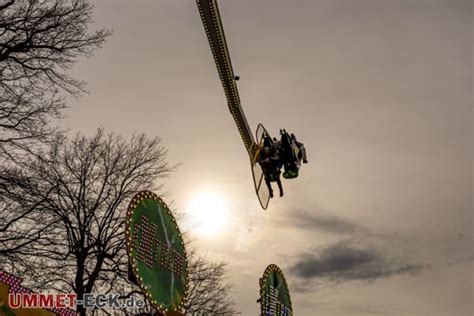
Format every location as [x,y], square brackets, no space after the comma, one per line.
[156,251]
[274,294]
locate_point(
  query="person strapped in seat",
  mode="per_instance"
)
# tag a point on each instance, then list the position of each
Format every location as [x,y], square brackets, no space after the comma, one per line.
[269,160]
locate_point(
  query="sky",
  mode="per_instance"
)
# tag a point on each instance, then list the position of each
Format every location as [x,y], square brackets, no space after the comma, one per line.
[380,222]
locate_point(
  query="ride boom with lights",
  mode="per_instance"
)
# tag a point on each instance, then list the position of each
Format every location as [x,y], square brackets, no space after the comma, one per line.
[291,153]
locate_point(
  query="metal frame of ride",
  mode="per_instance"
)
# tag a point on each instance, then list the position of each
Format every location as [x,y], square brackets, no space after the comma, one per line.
[156,252]
[274,293]
[212,22]
[211,19]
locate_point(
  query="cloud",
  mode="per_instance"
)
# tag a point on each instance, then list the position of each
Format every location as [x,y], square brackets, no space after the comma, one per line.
[361,255]
[313,221]
[346,261]
[327,223]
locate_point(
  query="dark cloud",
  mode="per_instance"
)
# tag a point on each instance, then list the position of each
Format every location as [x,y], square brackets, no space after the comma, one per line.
[327,223]
[345,261]
[365,256]
[314,221]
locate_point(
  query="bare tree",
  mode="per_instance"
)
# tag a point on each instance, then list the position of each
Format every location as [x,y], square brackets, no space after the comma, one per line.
[79,190]
[209,289]
[15,217]
[24,121]
[39,42]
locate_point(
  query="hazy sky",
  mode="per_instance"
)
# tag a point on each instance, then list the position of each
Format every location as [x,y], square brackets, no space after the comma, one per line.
[380,222]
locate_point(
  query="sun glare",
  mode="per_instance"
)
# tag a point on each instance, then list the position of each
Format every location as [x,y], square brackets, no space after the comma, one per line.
[208,214]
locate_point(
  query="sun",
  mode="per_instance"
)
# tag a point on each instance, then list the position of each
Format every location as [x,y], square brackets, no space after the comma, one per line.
[208,213]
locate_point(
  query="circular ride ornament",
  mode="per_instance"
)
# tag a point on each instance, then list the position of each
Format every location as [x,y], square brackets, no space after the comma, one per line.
[274,294]
[156,252]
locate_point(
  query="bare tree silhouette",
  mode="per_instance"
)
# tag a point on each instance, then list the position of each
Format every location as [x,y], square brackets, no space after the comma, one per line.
[77,192]
[209,288]
[39,42]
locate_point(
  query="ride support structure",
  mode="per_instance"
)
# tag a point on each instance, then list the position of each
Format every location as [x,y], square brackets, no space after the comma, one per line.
[211,20]
[215,33]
